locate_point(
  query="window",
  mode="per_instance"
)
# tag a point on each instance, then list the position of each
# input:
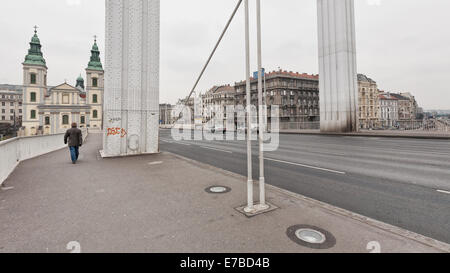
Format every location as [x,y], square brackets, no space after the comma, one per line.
[3,104]
[65,99]
[20,111]
[45,80]
[33,78]
[11,117]
[83,120]
[11,104]
[33,114]
[94,99]
[94,82]
[11,111]
[47,120]
[3,111]
[65,120]
[95,114]
[33,97]
[3,118]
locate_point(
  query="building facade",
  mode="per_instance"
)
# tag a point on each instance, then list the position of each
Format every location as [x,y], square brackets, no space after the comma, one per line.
[412,107]
[165,114]
[389,110]
[51,110]
[216,100]
[296,95]
[11,104]
[369,105]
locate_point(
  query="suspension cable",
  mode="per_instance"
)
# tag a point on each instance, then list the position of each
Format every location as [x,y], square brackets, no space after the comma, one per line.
[210,56]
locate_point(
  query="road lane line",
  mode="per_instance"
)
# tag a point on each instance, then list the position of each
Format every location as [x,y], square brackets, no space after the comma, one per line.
[305,166]
[442,191]
[215,149]
[155,163]
[181,143]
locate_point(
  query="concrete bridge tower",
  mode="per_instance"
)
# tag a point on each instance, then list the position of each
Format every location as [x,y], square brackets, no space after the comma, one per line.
[131,103]
[337,65]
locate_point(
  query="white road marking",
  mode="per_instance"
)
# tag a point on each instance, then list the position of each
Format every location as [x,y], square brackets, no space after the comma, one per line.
[155,163]
[215,149]
[305,166]
[7,188]
[442,191]
[182,143]
[176,142]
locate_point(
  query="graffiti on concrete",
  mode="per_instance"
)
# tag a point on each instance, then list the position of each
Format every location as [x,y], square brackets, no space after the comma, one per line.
[117,131]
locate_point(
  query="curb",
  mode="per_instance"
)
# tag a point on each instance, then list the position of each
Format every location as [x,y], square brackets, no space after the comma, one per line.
[441,246]
[367,135]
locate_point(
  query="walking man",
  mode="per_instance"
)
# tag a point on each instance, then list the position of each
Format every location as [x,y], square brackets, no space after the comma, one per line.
[75,138]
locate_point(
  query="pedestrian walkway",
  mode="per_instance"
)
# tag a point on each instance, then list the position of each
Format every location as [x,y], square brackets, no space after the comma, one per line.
[158,203]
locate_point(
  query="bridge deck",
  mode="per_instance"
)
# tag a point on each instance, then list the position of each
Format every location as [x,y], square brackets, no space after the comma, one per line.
[157,203]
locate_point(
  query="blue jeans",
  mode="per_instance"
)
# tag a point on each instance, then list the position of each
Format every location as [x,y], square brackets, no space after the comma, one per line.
[74,153]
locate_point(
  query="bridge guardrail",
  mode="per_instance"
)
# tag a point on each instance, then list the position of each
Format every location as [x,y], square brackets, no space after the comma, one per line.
[16,150]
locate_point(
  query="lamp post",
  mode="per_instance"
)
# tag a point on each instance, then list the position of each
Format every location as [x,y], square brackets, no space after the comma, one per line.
[250,206]
[262,192]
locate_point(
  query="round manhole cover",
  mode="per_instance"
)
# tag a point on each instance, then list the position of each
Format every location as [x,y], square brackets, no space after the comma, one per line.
[217,189]
[312,237]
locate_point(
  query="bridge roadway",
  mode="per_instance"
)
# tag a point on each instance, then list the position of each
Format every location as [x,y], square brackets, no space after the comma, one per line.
[403,182]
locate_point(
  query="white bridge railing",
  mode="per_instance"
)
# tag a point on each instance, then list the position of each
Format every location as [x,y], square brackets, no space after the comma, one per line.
[18,149]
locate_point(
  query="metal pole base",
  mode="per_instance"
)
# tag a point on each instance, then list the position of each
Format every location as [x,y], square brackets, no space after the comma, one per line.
[256,210]
[262,207]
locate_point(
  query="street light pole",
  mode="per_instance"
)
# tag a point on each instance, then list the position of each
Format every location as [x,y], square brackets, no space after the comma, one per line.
[250,208]
[262,190]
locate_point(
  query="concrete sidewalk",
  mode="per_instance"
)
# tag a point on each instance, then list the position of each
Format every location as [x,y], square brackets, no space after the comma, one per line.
[158,203]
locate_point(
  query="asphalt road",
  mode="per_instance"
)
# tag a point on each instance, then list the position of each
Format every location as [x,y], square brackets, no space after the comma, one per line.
[403,182]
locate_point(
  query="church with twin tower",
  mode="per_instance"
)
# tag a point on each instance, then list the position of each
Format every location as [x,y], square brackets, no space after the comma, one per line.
[52,109]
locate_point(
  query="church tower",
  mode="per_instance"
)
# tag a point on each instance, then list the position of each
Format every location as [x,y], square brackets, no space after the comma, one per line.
[94,88]
[34,86]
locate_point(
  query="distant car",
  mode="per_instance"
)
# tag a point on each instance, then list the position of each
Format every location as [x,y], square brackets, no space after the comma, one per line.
[209,128]
[254,128]
[220,128]
[215,129]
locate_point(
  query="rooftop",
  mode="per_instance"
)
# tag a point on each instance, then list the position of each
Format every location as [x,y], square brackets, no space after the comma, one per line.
[284,73]
[11,87]
[220,89]
[364,78]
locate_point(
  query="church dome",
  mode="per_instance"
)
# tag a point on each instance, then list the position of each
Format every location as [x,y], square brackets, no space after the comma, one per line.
[35,56]
[80,82]
[95,62]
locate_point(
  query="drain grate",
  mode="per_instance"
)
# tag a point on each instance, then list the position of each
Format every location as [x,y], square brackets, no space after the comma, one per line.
[311,237]
[218,189]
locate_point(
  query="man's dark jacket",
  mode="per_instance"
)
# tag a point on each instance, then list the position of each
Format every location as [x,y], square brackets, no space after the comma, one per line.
[75,137]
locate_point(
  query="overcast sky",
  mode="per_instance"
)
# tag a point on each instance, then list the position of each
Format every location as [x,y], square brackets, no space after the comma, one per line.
[402,44]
